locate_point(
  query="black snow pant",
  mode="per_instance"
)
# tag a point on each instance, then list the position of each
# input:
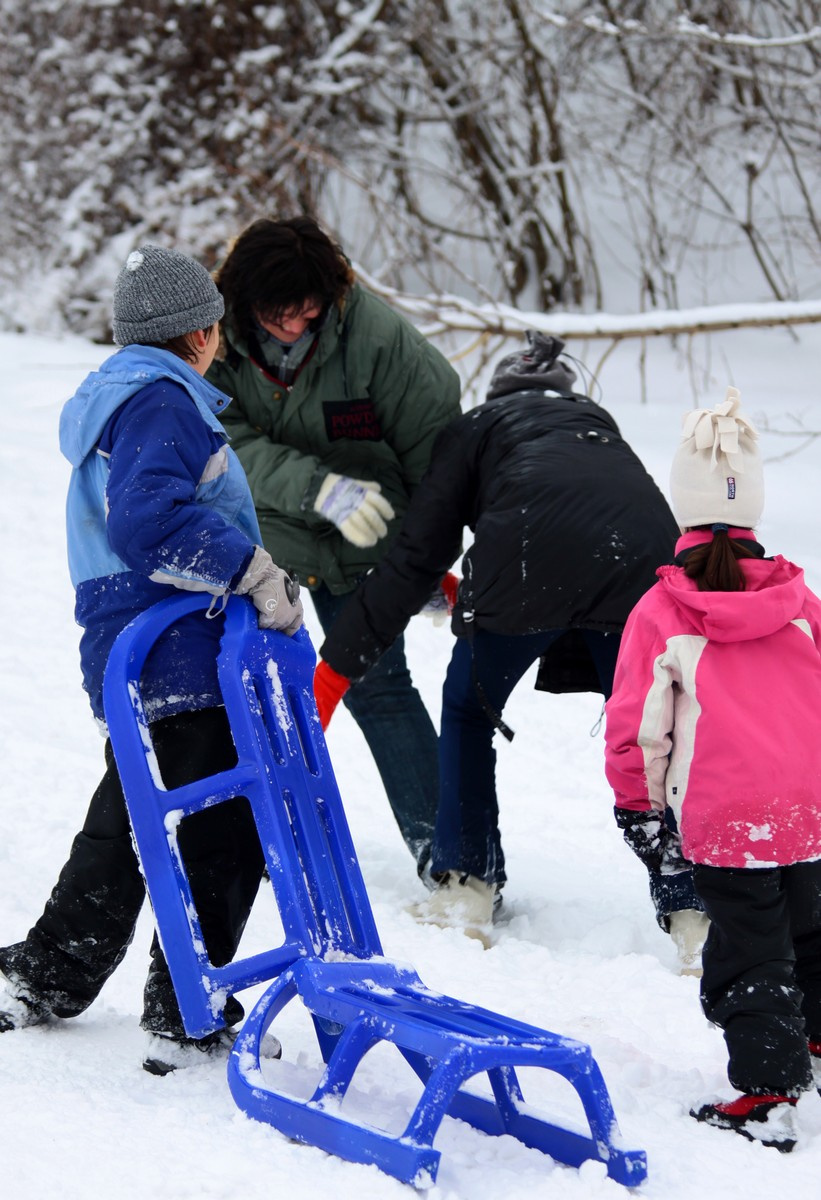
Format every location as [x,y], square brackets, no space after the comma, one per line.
[89,919]
[762,971]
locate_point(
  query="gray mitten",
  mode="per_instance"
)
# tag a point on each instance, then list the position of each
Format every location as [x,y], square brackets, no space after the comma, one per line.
[275,595]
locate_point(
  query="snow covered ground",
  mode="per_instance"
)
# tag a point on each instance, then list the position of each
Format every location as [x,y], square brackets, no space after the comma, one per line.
[577,950]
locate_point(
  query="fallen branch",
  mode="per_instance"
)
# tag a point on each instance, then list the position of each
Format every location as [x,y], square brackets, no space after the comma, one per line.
[440,313]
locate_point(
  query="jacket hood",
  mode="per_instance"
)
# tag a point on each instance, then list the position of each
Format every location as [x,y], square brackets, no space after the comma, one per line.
[86,414]
[774,597]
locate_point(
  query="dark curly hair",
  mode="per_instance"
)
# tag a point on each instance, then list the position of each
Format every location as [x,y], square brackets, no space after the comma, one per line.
[276,266]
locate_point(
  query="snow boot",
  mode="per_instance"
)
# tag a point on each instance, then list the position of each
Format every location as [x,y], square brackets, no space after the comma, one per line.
[768,1119]
[688,929]
[19,1008]
[167,1053]
[459,902]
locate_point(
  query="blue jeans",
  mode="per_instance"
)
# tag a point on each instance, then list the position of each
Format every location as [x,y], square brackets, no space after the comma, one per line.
[467,826]
[399,732]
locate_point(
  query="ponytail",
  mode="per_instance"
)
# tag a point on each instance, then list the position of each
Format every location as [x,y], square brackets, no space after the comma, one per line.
[714,566]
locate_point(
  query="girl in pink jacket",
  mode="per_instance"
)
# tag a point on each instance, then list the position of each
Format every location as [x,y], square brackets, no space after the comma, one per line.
[716,713]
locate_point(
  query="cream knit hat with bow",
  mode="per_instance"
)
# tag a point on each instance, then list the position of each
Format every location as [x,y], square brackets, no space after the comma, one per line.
[717,473]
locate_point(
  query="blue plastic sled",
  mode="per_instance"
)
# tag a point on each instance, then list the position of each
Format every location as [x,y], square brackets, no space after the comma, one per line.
[331,957]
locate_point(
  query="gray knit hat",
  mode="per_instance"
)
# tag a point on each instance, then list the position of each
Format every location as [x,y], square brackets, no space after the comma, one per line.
[535,369]
[161,294]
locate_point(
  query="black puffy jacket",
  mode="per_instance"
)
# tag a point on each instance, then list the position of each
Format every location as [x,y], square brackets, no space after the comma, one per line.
[568,529]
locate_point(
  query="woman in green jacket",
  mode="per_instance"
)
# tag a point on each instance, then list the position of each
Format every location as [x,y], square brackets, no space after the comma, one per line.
[337,401]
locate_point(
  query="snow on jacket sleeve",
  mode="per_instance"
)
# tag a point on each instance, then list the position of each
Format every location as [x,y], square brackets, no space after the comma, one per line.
[161,452]
[640,713]
[428,542]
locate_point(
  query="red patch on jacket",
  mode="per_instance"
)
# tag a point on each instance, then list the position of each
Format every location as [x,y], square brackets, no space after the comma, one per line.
[353,419]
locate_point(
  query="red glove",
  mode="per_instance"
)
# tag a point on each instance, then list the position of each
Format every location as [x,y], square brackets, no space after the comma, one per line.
[329,688]
[450,587]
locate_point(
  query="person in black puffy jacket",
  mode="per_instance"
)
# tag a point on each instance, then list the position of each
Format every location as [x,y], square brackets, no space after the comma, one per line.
[568,531]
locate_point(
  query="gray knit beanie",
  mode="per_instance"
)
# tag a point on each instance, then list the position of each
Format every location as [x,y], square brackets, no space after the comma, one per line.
[535,369]
[161,294]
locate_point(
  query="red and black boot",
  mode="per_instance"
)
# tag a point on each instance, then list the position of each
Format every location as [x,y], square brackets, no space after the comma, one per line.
[769,1119]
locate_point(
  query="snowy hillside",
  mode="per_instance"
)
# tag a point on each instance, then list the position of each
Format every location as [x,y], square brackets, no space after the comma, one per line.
[576,950]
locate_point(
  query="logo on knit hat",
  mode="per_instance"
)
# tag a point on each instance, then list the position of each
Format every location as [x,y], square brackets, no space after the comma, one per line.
[730,487]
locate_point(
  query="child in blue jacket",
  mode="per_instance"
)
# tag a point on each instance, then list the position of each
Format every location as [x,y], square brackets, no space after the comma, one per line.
[157,501]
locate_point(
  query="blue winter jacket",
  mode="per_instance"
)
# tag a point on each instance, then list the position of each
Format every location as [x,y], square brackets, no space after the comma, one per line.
[157,501]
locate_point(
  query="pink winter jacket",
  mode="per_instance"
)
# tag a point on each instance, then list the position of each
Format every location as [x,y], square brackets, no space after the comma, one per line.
[716,711]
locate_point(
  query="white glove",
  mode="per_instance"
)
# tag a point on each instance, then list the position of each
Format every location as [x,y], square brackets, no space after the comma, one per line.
[440,606]
[355,507]
[436,610]
[273,592]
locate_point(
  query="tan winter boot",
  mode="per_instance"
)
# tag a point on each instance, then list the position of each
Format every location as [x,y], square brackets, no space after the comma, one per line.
[459,902]
[688,929]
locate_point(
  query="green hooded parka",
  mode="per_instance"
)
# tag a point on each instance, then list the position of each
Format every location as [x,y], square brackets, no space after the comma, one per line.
[368,402]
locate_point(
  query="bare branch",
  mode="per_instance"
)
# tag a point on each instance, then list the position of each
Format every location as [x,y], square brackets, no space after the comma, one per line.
[455,313]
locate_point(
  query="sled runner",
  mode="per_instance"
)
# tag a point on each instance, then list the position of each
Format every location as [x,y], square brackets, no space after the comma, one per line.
[331,958]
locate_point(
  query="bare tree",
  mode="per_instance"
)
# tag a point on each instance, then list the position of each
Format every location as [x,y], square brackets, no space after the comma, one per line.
[678,138]
[517,151]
